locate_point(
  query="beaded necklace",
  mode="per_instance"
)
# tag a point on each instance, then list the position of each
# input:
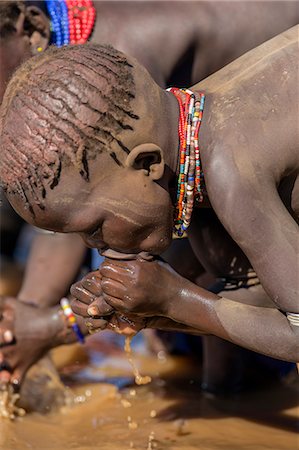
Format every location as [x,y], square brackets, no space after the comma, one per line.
[72,21]
[191,106]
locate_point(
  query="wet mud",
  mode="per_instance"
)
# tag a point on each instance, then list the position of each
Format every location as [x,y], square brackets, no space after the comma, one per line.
[107,411]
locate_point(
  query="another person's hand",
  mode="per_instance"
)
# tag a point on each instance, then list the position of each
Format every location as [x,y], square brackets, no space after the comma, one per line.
[6,336]
[33,331]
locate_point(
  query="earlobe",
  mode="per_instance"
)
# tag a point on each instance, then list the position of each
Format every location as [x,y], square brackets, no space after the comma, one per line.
[147,157]
[38,26]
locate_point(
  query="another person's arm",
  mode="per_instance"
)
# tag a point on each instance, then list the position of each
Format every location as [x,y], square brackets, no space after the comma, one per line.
[34,324]
[53,263]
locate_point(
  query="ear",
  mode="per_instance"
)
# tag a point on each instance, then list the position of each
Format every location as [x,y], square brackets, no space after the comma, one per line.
[37,25]
[147,157]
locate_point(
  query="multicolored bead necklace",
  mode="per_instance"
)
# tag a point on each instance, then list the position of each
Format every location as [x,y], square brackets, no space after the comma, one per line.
[191,106]
[72,21]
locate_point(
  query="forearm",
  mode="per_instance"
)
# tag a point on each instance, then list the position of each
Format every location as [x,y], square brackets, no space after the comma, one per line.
[264,330]
[53,263]
[165,324]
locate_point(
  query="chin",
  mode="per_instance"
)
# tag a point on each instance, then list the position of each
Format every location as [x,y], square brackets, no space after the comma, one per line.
[156,245]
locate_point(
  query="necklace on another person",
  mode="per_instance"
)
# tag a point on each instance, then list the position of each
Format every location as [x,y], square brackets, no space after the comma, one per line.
[72,21]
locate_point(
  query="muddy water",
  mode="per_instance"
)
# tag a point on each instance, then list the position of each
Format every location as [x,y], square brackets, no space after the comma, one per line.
[171,409]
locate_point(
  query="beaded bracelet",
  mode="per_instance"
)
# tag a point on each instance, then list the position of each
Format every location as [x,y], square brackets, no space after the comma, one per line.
[66,308]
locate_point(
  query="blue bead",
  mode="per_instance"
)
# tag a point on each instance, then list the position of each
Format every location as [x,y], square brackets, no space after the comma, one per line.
[58,13]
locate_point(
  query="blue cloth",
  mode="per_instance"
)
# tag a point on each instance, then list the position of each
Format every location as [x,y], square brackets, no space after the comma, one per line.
[96,259]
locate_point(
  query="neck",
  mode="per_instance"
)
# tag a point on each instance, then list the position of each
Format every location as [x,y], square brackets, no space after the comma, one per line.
[190,178]
[170,133]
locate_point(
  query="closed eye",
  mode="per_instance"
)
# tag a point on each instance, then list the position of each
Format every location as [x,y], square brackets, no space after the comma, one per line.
[92,232]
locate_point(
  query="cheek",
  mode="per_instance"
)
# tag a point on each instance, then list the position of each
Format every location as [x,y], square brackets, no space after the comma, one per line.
[121,233]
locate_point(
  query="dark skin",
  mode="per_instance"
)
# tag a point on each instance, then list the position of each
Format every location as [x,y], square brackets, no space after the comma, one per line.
[250,166]
[136,38]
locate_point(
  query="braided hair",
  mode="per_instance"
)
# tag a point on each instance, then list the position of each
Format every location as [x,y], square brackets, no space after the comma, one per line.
[54,94]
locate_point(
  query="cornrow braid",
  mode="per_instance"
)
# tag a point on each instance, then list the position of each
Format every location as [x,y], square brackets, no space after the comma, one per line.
[72,103]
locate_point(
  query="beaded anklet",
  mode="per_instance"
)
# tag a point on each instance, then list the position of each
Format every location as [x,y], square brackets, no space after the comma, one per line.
[71,319]
[72,21]
[191,106]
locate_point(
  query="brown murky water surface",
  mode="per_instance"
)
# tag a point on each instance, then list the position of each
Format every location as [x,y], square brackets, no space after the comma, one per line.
[169,413]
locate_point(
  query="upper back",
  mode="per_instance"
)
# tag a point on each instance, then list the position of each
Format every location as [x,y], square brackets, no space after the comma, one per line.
[253,106]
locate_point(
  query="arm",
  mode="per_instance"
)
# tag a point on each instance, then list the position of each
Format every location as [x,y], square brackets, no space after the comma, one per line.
[36,330]
[256,218]
[131,287]
[264,330]
[52,266]
[55,259]
[88,302]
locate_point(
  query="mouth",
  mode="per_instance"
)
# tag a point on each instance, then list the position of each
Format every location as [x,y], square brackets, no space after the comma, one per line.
[113,254]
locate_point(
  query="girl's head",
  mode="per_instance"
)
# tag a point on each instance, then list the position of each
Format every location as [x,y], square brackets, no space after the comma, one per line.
[84,138]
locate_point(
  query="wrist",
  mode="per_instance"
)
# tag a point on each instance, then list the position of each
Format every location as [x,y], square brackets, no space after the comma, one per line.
[60,330]
[65,330]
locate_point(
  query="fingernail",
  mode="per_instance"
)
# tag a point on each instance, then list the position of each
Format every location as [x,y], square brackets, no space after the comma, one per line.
[93,311]
[8,336]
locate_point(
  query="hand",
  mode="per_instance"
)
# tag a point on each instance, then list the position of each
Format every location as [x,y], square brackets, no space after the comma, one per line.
[33,330]
[89,303]
[144,288]
[6,336]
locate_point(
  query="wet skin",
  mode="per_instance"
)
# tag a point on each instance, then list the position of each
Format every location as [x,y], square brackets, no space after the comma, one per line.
[251,168]
[247,158]
[139,20]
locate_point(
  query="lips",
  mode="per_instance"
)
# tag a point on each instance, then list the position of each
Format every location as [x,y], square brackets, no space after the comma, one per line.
[113,254]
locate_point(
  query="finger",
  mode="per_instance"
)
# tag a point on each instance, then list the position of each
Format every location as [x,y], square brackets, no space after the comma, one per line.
[115,271]
[7,314]
[6,337]
[113,288]
[81,294]
[93,275]
[96,324]
[17,377]
[79,308]
[4,377]
[129,266]
[116,303]
[93,285]
[99,308]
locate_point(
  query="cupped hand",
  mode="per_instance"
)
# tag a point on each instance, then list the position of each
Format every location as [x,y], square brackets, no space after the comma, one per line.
[88,303]
[138,287]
